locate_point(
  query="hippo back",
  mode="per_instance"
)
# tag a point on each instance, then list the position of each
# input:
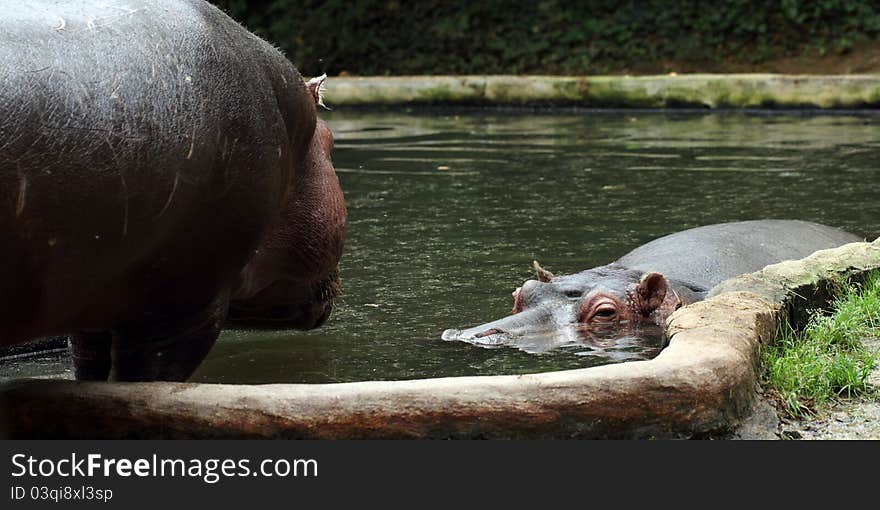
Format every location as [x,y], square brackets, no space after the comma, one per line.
[702,257]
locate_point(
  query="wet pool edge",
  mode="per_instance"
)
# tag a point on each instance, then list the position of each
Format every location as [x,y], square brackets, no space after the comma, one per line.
[702,385]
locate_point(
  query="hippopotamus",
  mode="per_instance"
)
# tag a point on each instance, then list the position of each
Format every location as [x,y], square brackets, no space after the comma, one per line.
[642,288]
[161,168]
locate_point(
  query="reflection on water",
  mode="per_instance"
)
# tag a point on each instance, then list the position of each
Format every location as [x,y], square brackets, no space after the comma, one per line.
[447,212]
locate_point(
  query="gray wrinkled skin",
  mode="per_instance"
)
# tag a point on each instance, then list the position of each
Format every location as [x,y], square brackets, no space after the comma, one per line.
[148,150]
[551,314]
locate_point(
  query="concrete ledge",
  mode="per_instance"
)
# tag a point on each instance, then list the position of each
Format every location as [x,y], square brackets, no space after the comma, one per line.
[36,346]
[666,91]
[703,384]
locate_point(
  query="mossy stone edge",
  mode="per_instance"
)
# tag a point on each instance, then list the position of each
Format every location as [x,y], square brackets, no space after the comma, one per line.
[702,91]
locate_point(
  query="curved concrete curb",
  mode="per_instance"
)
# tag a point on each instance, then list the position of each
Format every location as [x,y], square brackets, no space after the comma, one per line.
[666,91]
[703,384]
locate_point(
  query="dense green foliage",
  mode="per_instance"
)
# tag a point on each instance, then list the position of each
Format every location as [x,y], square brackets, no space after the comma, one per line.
[380,37]
[827,359]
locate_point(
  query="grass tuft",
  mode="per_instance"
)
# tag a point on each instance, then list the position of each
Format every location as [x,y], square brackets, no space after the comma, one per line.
[827,360]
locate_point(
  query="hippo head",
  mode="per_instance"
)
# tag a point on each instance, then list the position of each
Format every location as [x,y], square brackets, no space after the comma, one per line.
[592,306]
[292,278]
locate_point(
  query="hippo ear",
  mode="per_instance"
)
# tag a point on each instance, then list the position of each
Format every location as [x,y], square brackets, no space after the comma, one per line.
[542,274]
[316,89]
[651,291]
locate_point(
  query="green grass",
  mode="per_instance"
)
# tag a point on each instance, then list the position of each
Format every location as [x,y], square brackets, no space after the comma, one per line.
[827,360]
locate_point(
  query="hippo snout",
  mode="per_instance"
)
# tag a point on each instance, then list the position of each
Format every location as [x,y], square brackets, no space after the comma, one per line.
[487,338]
[288,305]
[450,334]
[457,334]
[302,316]
[502,331]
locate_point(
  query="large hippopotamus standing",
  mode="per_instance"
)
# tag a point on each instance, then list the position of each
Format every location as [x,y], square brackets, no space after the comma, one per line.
[157,163]
[647,284]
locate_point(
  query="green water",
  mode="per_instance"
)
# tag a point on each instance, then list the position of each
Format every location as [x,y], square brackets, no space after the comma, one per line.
[447,212]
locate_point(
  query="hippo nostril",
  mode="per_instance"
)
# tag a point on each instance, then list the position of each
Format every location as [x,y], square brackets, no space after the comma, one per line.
[488,332]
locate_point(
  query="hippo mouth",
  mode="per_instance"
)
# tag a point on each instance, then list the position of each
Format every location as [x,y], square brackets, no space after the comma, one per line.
[502,331]
[496,337]
[286,306]
[492,337]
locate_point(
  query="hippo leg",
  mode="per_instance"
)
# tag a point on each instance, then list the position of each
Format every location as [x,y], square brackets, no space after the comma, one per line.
[166,350]
[91,355]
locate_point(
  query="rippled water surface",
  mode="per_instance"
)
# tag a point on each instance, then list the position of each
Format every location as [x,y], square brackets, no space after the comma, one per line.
[447,212]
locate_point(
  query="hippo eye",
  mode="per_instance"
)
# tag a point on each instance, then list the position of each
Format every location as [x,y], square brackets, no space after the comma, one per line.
[605,312]
[573,293]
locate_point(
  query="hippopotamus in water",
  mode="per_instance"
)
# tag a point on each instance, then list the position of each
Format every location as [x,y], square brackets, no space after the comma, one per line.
[157,163]
[642,288]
